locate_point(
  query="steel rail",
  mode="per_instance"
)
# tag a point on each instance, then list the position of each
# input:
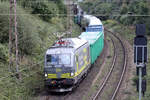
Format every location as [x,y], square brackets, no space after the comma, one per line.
[108,75]
[112,67]
[124,66]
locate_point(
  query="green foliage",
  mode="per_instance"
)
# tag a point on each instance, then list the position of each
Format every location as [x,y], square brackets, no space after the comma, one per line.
[101,9]
[124,19]
[124,9]
[128,33]
[29,36]
[4,23]
[3,53]
[127,10]
[104,9]
[136,8]
[34,37]
[147,23]
[32,31]
[86,6]
[110,22]
[46,10]
[139,8]
[24,89]
[61,6]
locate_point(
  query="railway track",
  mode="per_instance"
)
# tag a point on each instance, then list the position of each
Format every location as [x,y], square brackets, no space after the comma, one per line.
[119,59]
[57,96]
[119,50]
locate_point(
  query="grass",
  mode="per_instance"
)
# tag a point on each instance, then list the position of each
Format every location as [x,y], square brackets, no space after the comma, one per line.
[105,70]
[38,36]
[113,79]
[128,33]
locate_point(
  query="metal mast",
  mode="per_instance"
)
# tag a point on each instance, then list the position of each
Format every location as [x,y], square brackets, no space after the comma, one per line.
[70,17]
[13,28]
[10,34]
[69,24]
[16,35]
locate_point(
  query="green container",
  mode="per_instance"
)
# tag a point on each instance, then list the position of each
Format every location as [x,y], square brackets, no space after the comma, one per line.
[96,41]
[76,19]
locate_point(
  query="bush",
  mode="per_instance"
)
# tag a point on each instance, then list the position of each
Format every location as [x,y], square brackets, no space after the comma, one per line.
[111,22]
[124,9]
[30,30]
[99,9]
[34,37]
[46,10]
[61,6]
[3,53]
[4,23]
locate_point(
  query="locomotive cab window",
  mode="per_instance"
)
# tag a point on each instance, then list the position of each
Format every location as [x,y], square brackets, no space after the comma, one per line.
[58,59]
[64,59]
[52,59]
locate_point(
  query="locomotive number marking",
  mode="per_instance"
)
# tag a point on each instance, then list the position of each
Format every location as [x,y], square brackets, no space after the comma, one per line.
[58,70]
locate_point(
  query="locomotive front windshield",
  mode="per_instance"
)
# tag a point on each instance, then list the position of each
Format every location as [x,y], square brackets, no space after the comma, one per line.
[58,59]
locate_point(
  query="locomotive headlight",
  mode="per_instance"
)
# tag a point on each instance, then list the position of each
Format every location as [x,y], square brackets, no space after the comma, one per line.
[46,75]
[72,74]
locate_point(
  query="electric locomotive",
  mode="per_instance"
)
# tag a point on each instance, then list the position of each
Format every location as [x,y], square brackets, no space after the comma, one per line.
[66,62]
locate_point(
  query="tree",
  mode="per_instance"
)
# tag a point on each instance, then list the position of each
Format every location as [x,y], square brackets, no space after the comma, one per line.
[46,10]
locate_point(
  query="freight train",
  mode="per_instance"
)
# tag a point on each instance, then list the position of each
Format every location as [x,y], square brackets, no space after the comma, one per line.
[69,59]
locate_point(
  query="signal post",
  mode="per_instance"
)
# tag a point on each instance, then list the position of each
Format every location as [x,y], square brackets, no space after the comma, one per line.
[140,57]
